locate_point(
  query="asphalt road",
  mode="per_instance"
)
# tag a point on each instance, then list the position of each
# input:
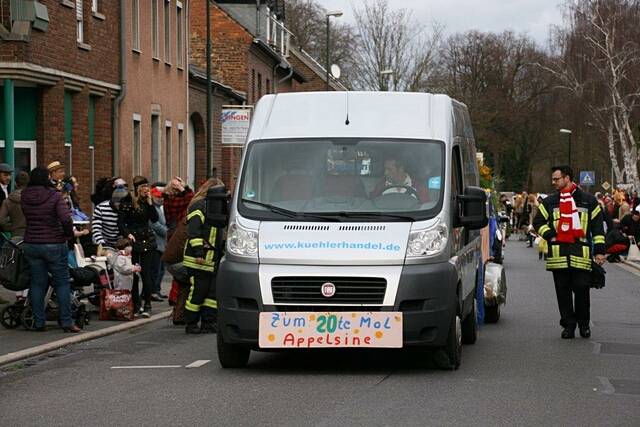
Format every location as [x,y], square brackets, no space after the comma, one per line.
[518,373]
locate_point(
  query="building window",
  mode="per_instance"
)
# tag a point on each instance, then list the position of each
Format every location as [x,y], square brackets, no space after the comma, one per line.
[155,147]
[167,31]
[268,86]
[92,138]
[137,145]
[94,6]
[154,29]
[168,151]
[68,129]
[259,85]
[79,22]
[179,36]
[253,86]
[135,24]
[180,151]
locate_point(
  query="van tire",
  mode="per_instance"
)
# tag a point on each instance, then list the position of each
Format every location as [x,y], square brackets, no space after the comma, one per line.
[231,355]
[470,326]
[449,356]
[491,313]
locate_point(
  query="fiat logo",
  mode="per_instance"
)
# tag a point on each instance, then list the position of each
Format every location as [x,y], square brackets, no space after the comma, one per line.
[328,290]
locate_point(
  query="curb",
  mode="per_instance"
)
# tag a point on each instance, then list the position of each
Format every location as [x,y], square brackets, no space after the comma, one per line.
[81,337]
[634,265]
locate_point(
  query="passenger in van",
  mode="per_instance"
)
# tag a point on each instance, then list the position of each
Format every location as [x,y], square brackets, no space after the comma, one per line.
[396,178]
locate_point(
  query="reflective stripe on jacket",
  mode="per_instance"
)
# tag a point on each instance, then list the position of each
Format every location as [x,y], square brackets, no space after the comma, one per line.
[200,239]
[571,255]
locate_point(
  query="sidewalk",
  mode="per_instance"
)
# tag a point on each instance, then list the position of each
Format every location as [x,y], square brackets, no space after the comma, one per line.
[18,343]
[632,264]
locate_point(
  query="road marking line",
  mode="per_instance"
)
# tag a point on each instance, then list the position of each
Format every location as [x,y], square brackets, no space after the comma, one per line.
[147,367]
[197,364]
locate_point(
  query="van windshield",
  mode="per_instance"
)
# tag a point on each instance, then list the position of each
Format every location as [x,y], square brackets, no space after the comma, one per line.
[342,180]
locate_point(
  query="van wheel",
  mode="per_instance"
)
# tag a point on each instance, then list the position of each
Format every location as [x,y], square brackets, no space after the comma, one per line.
[231,355]
[449,356]
[491,313]
[470,326]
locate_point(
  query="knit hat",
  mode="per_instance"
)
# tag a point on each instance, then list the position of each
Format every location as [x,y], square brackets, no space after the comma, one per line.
[157,192]
[138,181]
[118,194]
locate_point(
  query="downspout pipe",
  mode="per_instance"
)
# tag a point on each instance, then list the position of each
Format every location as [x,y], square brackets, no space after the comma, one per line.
[115,110]
[284,65]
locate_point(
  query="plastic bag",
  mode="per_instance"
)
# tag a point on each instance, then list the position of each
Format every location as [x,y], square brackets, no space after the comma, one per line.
[634,251]
[116,304]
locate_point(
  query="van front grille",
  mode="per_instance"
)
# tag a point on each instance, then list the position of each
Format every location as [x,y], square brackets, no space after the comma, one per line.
[348,290]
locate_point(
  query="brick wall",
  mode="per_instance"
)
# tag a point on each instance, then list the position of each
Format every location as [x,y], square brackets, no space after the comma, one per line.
[57,48]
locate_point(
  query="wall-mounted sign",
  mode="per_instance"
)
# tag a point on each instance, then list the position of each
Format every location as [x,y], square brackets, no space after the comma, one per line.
[235,125]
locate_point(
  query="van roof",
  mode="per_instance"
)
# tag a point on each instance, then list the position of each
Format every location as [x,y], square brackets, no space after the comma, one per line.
[370,115]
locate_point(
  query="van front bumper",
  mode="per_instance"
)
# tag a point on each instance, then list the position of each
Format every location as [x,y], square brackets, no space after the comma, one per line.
[426,296]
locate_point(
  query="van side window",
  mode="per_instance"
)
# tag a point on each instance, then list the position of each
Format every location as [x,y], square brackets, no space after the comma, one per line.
[456,173]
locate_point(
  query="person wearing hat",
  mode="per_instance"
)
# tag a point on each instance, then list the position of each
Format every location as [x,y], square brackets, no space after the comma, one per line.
[135,215]
[56,174]
[5,180]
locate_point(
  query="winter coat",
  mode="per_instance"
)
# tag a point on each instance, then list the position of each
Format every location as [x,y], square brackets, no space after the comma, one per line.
[11,216]
[175,247]
[159,229]
[47,215]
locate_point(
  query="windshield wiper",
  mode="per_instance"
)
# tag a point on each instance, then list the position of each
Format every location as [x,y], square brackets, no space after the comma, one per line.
[344,214]
[287,212]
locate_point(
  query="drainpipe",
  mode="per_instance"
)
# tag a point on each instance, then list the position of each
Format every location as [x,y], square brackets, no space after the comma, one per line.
[257,19]
[284,65]
[115,110]
[9,120]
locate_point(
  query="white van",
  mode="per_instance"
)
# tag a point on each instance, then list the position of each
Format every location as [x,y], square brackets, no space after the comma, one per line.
[353,224]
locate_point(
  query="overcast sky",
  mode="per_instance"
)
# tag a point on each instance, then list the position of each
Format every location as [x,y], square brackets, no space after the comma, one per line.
[523,16]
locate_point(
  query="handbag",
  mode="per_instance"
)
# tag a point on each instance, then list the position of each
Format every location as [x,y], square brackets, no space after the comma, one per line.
[14,268]
[116,304]
[634,251]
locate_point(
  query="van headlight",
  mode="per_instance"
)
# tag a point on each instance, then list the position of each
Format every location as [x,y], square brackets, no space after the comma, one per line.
[242,242]
[427,242]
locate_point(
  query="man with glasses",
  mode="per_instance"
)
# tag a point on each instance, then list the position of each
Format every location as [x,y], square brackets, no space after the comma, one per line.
[571,222]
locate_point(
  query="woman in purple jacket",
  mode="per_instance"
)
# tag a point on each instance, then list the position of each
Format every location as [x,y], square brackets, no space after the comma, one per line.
[49,227]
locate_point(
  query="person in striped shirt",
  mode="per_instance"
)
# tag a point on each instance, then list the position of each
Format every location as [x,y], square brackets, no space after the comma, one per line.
[104,226]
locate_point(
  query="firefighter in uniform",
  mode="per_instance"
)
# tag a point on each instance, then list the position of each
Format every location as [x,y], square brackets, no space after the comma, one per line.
[571,222]
[201,254]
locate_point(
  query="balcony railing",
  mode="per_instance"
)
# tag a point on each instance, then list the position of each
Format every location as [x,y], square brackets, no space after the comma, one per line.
[278,36]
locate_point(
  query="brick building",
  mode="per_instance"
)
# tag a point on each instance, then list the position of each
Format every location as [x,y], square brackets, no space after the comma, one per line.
[251,54]
[152,123]
[59,70]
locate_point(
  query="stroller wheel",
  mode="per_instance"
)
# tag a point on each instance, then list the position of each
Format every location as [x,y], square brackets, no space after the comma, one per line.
[27,318]
[10,316]
[81,317]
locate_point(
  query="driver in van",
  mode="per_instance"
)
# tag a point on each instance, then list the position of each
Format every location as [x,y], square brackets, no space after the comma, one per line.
[397,180]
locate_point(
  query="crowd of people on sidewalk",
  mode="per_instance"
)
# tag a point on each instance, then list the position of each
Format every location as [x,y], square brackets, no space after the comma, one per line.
[621,216]
[140,226]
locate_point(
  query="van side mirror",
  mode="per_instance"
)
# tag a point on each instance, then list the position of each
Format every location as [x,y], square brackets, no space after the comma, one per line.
[472,208]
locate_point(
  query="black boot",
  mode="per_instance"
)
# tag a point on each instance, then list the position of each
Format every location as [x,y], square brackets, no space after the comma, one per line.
[209,323]
[192,328]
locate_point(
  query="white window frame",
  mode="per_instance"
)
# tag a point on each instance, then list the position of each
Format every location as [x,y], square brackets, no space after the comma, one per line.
[136,153]
[181,150]
[30,145]
[167,31]
[79,22]
[168,149]
[155,30]
[180,35]
[135,25]
[94,6]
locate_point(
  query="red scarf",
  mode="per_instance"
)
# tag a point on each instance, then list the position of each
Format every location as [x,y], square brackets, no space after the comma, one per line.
[569,227]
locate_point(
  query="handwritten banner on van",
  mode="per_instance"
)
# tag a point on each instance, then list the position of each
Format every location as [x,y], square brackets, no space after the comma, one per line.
[235,125]
[330,329]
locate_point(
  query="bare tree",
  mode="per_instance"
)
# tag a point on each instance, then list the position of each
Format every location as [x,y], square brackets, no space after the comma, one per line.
[600,65]
[306,19]
[393,40]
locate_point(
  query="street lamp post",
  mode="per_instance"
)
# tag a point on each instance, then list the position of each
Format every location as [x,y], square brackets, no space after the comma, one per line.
[336,14]
[568,132]
[388,72]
